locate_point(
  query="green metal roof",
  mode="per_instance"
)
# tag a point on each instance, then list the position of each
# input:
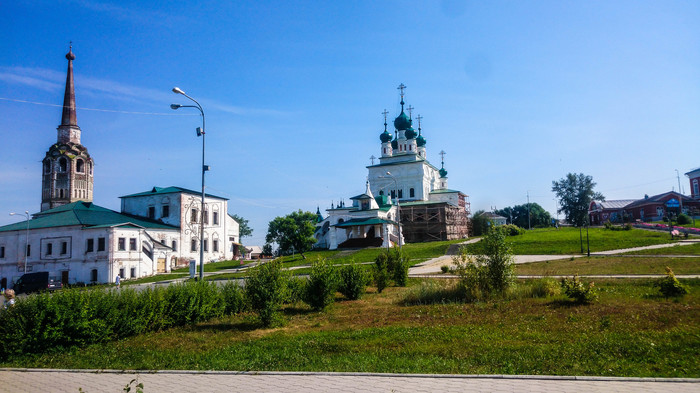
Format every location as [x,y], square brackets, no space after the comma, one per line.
[86,215]
[170,190]
[364,221]
[445,191]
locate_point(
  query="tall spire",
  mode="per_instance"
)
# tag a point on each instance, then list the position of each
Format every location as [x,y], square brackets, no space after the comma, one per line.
[69,117]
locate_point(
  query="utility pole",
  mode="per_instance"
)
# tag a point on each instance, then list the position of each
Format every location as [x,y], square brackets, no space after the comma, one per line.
[528,210]
[680,200]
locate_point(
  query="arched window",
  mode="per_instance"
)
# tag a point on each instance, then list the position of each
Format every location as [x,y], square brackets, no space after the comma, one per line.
[412,193]
[62,164]
[79,165]
[381,192]
[90,168]
[47,166]
[340,221]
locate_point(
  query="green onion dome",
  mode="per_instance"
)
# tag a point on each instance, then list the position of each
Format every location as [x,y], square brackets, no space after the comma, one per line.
[410,133]
[443,172]
[420,141]
[402,122]
[385,137]
[395,144]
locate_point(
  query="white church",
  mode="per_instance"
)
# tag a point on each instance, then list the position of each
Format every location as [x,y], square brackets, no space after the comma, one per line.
[77,241]
[403,186]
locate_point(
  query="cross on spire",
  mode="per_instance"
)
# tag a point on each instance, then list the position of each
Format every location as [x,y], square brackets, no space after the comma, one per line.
[385,113]
[442,155]
[410,111]
[419,118]
[401,87]
[372,157]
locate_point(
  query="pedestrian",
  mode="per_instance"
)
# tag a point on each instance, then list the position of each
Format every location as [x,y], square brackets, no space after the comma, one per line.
[118,281]
[9,298]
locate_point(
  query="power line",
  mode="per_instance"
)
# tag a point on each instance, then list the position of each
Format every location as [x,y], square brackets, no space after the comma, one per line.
[98,110]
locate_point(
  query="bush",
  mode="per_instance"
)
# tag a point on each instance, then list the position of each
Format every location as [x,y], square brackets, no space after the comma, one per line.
[322,284]
[490,273]
[480,223]
[77,317]
[512,230]
[445,269]
[381,271]
[233,297]
[353,281]
[581,293]
[398,265]
[683,219]
[266,289]
[669,286]
[544,287]
[296,288]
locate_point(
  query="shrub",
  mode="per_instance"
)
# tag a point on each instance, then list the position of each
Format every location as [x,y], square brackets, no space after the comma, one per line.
[669,286]
[322,284]
[683,219]
[489,273]
[545,287]
[296,288]
[381,271]
[445,268]
[353,281]
[512,230]
[581,293]
[266,289]
[233,298]
[398,265]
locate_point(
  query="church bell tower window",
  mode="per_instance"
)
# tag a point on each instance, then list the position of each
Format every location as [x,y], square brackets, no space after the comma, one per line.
[79,166]
[62,164]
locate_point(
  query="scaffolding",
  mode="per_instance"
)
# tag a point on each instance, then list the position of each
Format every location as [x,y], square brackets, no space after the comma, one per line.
[434,221]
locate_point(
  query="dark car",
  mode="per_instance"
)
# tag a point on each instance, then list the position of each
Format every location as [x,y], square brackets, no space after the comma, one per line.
[35,282]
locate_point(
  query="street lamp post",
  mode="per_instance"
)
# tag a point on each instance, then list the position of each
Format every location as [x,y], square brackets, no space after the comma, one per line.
[398,205]
[26,240]
[200,132]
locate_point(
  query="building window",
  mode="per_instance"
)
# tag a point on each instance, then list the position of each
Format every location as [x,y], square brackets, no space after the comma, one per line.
[696,191]
[90,245]
[64,248]
[393,193]
[62,164]
[206,245]
[400,193]
[165,211]
[133,272]
[412,193]
[132,244]
[193,215]
[215,245]
[79,165]
[121,272]
[206,217]
[29,250]
[152,212]
[2,251]
[174,245]
[122,244]
[193,245]
[49,248]
[100,244]
[47,166]
[381,192]
[93,275]
[215,218]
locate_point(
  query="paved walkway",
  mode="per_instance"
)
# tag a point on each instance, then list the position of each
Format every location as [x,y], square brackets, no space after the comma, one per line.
[13,380]
[434,265]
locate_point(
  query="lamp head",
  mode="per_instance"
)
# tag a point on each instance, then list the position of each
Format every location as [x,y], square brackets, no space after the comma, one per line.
[175,106]
[177,90]
[388,173]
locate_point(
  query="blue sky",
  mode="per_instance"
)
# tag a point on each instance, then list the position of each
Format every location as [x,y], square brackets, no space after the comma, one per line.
[517,94]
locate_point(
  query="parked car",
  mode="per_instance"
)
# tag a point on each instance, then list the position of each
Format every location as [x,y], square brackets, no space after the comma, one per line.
[35,282]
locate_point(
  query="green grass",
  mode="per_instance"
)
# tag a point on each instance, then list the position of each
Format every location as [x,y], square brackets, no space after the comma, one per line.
[212,267]
[609,265]
[156,278]
[693,249]
[629,332]
[565,240]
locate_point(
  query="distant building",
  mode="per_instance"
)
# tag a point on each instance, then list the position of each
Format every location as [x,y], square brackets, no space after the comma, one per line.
[694,179]
[78,241]
[649,208]
[429,210]
[497,220]
[601,211]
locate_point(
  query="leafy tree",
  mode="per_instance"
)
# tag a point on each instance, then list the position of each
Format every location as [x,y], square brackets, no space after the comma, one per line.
[293,232]
[480,223]
[575,193]
[266,289]
[267,249]
[244,230]
[539,217]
